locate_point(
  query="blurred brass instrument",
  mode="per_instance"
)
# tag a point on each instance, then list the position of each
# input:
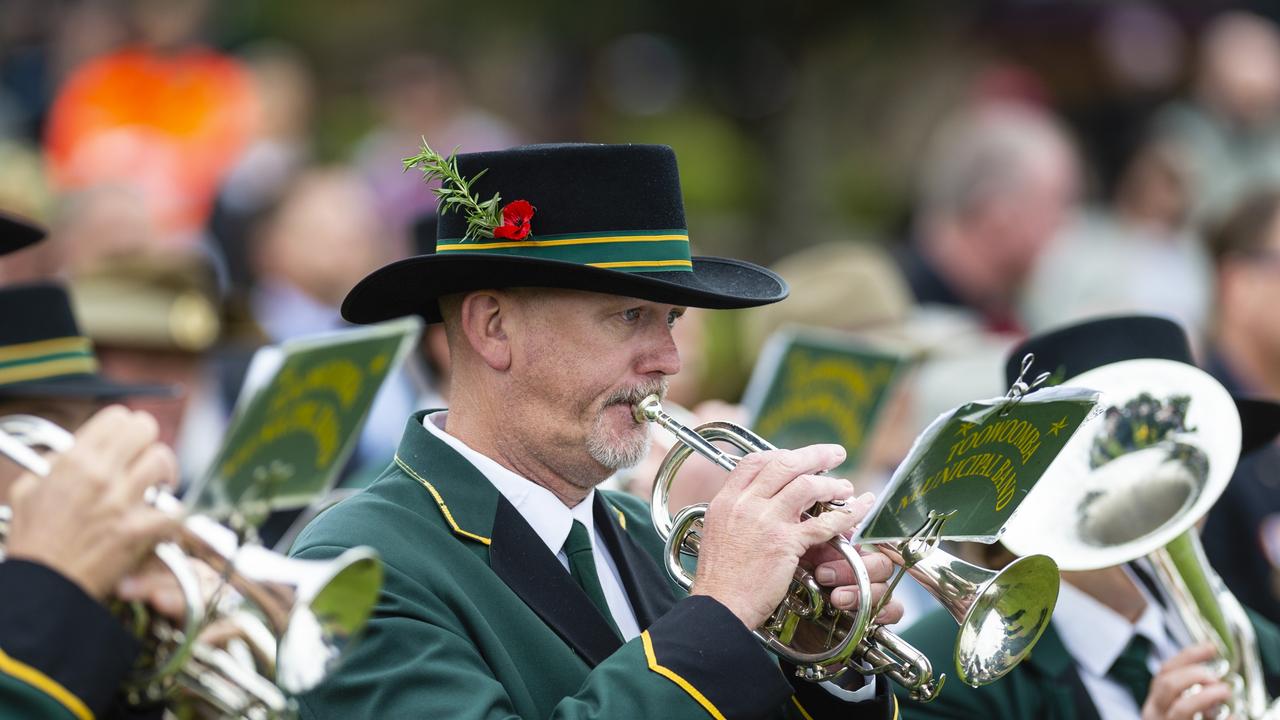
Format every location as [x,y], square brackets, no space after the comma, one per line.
[272,627]
[1001,614]
[1131,485]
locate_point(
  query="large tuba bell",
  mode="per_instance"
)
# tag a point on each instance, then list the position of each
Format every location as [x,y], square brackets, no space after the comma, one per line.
[272,627]
[1132,485]
[1001,614]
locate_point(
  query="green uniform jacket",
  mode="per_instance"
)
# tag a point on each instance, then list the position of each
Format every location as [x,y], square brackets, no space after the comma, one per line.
[478,619]
[1045,686]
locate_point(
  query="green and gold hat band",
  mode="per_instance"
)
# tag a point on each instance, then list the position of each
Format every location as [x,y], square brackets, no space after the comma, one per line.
[627,251]
[44,359]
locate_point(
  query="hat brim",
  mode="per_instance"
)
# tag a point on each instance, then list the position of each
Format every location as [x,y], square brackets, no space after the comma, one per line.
[412,286]
[86,386]
[1259,422]
[16,234]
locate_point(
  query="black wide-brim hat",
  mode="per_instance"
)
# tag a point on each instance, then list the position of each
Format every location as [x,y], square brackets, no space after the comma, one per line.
[16,233]
[1076,349]
[43,354]
[605,218]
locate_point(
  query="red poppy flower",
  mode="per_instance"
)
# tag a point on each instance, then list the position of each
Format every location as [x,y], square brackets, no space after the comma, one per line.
[515,221]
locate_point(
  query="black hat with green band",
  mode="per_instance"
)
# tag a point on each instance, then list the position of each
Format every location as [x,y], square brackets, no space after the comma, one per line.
[16,233]
[603,218]
[1077,348]
[43,354]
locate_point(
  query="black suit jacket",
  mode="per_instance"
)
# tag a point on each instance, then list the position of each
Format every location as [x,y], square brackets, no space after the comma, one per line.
[62,654]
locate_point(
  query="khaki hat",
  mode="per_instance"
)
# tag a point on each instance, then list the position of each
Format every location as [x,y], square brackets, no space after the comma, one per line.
[857,288]
[854,287]
[163,302]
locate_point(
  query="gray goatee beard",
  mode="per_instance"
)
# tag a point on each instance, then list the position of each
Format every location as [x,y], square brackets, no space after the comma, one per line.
[628,450]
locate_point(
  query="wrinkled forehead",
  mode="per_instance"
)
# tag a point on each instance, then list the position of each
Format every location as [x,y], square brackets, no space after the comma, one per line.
[560,300]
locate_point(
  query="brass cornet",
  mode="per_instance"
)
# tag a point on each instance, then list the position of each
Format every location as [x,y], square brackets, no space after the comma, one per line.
[1001,614]
[281,624]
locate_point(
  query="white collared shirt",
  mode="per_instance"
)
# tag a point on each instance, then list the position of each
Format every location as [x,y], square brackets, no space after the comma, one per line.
[550,519]
[1095,635]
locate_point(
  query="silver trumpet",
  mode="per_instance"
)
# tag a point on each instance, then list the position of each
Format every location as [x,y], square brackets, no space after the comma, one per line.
[1132,485]
[271,626]
[1001,614]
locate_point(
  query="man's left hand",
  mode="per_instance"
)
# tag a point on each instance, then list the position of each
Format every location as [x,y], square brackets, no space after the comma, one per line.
[832,571]
[154,585]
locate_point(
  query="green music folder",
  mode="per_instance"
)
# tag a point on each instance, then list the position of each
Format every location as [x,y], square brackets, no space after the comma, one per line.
[289,439]
[819,386]
[979,461]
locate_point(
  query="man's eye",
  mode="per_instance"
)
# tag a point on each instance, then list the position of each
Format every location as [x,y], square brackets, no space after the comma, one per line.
[632,315]
[673,316]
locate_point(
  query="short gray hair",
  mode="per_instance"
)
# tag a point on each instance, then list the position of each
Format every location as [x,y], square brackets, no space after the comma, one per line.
[983,153]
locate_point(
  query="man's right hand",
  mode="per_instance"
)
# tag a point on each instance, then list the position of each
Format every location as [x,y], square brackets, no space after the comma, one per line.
[753,537]
[1186,687]
[88,520]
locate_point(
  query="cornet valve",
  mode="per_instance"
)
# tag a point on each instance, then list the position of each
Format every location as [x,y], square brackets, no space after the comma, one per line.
[820,673]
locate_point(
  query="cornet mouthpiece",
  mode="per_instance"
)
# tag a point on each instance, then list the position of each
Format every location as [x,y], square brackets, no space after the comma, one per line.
[647,410]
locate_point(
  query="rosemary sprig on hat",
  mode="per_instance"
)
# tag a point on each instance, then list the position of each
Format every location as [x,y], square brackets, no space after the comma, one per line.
[455,191]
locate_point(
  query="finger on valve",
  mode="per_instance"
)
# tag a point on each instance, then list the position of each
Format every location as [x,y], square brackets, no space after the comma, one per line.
[1185,685]
[154,585]
[781,467]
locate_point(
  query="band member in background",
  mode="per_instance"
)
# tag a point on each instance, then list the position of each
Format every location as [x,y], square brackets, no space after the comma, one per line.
[1112,652]
[514,588]
[77,536]
[1242,534]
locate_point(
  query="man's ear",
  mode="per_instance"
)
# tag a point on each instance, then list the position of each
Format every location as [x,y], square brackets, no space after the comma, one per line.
[483,323]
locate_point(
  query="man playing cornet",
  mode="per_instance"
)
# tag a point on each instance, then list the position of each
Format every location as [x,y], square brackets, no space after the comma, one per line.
[514,588]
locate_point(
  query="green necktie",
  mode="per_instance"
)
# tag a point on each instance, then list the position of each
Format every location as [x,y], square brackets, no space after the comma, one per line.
[582,566]
[1130,669]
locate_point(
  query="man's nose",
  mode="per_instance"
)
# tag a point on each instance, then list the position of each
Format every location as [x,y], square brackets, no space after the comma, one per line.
[662,358]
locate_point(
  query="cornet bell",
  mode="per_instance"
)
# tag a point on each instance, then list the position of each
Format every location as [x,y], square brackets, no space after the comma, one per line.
[1008,612]
[332,607]
[314,607]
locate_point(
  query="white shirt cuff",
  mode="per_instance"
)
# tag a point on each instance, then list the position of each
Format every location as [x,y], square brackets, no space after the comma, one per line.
[863,694]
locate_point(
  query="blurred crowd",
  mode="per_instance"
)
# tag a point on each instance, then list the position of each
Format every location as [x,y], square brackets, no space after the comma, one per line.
[195,217]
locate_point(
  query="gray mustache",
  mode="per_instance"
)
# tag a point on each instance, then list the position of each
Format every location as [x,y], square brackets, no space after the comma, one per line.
[631,396]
